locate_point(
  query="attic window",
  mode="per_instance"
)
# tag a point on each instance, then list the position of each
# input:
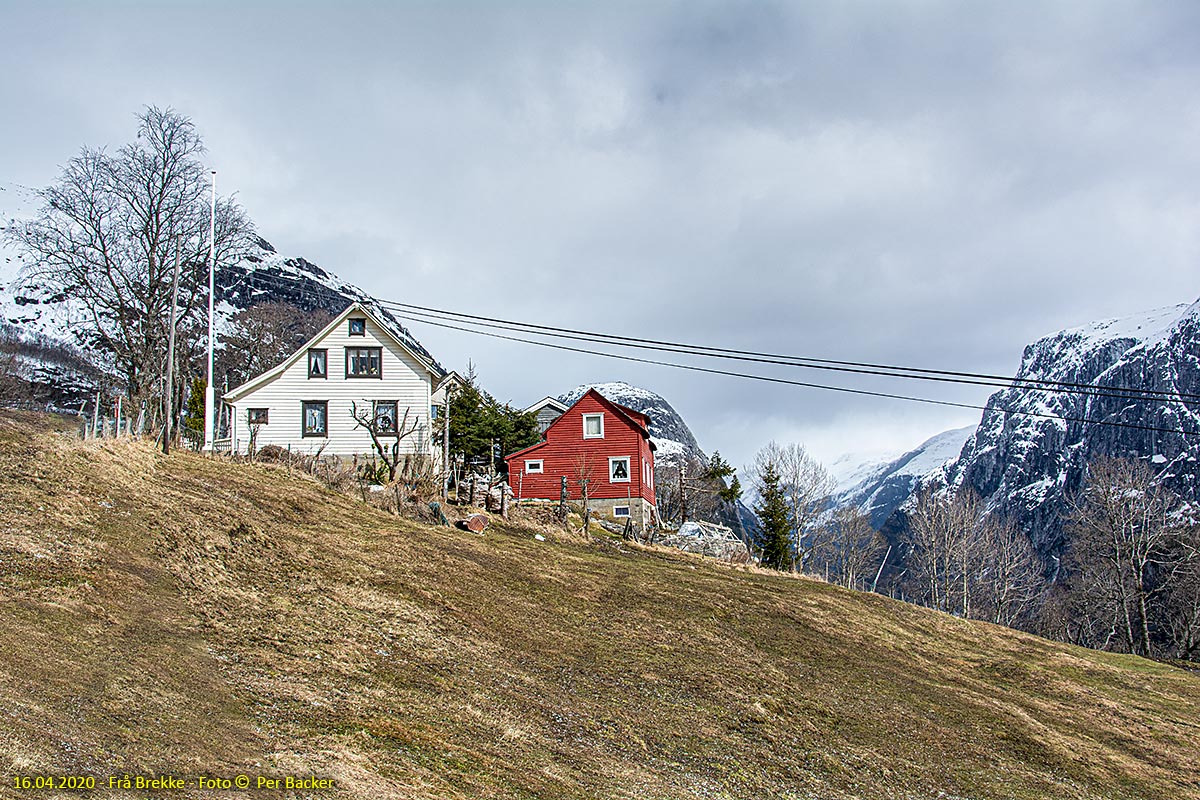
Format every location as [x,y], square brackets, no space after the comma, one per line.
[318,362]
[358,326]
[593,426]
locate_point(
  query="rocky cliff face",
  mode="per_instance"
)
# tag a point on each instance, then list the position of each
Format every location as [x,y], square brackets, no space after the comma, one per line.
[1026,467]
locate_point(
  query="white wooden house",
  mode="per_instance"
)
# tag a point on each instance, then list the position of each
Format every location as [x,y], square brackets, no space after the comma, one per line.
[305,404]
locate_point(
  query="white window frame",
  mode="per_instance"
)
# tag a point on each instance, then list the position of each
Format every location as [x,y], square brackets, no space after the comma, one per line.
[599,435]
[628,468]
[618,509]
[541,466]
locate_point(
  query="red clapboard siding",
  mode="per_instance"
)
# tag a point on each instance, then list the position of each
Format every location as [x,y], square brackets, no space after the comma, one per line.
[565,450]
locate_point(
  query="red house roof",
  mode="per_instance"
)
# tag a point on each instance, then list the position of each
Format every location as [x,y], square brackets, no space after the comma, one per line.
[635,418]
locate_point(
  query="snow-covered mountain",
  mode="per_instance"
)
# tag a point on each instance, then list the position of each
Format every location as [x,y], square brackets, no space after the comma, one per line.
[263,275]
[36,313]
[1027,466]
[879,487]
[266,276]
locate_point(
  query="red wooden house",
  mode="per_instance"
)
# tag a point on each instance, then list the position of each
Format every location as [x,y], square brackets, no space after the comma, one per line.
[601,442]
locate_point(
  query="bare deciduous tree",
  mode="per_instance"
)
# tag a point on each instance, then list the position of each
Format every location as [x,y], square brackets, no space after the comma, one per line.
[263,335]
[966,562]
[380,422]
[585,471]
[107,236]
[691,488]
[1183,597]
[935,526]
[1128,538]
[847,549]
[1010,580]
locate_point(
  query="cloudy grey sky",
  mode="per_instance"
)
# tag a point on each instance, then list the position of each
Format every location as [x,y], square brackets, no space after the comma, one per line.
[931,184]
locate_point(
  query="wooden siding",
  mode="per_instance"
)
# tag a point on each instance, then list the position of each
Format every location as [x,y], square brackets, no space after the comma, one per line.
[565,450]
[405,381]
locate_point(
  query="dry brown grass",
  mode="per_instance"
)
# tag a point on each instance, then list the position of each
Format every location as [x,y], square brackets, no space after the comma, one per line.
[191,615]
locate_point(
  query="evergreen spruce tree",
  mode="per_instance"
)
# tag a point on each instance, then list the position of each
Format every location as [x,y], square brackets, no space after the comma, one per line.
[775,520]
[478,421]
[193,420]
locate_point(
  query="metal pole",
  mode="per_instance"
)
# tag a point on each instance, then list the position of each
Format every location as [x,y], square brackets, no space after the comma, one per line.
[446,445]
[169,414]
[210,391]
[875,582]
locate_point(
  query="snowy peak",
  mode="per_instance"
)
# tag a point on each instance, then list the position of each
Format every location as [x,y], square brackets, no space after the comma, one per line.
[1032,446]
[879,488]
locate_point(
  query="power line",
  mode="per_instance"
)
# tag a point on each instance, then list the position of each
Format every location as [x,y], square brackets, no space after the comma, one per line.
[396,308]
[1107,392]
[801,361]
[789,382]
[862,368]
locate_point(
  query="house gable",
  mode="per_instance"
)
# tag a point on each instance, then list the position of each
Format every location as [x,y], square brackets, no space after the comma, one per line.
[397,376]
[374,330]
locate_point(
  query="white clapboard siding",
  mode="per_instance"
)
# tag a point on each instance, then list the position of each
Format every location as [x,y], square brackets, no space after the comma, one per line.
[405,380]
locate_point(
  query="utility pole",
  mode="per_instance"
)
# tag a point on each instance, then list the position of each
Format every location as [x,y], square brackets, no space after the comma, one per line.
[683,504]
[875,582]
[210,392]
[169,414]
[446,446]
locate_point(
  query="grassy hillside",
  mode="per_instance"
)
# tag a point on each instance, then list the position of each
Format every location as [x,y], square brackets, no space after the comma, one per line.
[190,616]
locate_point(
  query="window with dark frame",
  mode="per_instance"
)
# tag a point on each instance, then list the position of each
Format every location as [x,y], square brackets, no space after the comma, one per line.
[315,416]
[257,416]
[385,417]
[318,363]
[364,362]
[358,326]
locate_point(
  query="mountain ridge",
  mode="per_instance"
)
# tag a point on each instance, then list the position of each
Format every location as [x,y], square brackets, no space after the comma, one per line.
[878,488]
[1026,467]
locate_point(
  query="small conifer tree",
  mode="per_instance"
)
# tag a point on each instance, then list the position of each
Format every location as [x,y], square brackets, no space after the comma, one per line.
[193,420]
[775,520]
